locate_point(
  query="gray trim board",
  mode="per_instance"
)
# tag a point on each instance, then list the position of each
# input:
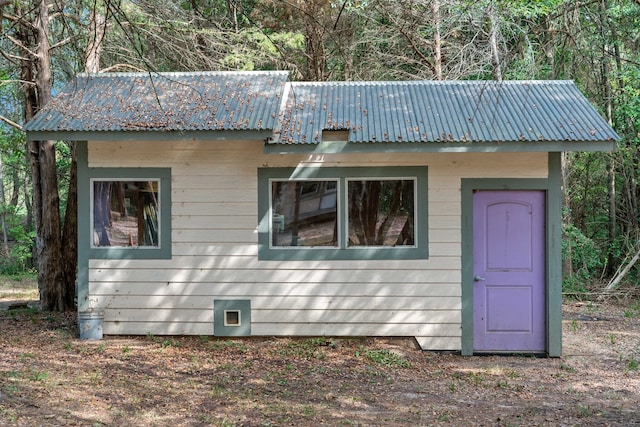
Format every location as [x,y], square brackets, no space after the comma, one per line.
[83,224]
[554,257]
[148,135]
[266,252]
[161,252]
[438,147]
[551,186]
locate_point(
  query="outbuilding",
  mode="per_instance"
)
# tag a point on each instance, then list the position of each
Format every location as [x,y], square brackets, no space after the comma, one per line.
[244,204]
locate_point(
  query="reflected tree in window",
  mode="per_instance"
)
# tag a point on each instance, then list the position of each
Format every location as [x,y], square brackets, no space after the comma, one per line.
[381,212]
[304,213]
[125,213]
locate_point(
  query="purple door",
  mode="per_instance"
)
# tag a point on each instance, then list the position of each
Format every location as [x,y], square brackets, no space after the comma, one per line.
[509,271]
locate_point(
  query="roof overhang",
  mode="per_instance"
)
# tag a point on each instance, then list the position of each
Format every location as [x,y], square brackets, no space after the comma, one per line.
[149,135]
[439,147]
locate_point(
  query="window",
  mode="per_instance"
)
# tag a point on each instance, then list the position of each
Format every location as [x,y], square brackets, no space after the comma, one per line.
[381,212]
[304,213]
[130,213]
[343,213]
[125,213]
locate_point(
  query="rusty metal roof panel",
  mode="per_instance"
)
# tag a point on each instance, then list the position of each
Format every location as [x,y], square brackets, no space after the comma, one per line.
[441,111]
[207,101]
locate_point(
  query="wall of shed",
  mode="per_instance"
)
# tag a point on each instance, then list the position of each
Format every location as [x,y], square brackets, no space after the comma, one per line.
[215,251]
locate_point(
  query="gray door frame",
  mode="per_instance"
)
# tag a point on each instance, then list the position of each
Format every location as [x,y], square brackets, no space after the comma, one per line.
[553,253]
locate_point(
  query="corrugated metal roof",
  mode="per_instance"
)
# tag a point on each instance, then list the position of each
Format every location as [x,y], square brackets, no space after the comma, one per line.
[440,111]
[298,113]
[207,101]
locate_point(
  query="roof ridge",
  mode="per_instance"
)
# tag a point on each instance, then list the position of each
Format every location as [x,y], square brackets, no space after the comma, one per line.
[430,82]
[182,73]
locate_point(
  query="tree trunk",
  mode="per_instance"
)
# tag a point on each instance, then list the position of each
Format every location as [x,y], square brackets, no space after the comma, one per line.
[493,41]
[97,27]
[102,211]
[15,192]
[70,229]
[620,274]
[55,293]
[437,43]
[295,226]
[610,160]
[567,262]
[391,214]
[3,214]
[549,47]
[315,50]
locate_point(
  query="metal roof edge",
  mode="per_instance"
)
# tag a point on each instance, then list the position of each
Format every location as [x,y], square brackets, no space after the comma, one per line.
[440,147]
[432,82]
[184,73]
[222,135]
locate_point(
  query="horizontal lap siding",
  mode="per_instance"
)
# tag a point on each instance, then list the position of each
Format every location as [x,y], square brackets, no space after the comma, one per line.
[214,235]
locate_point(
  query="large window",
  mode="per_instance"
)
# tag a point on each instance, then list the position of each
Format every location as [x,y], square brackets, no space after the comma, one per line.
[304,213]
[343,213]
[381,212]
[125,213]
[130,212]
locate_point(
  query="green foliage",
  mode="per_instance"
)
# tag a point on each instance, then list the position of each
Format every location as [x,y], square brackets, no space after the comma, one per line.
[40,376]
[627,112]
[310,348]
[528,8]
[587,259]
[386,358]
[20,258]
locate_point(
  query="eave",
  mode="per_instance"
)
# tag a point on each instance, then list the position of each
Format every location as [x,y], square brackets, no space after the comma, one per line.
[209,135]
[440,147]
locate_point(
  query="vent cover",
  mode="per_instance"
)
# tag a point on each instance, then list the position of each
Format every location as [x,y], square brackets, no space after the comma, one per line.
[232,318]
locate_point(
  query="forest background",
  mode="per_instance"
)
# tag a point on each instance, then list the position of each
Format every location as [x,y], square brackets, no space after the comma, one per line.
[596,43]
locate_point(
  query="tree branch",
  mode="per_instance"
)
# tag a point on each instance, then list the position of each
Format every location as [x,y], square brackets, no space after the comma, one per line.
[61,43]
[4,82]
[416,50]
[20,45]
[11,58]
[116,66]
[9,17]
[11,123]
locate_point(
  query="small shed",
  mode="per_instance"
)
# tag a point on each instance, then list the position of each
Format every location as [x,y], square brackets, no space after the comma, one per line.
[243,204]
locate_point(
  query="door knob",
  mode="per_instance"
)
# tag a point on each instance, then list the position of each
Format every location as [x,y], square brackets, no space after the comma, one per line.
[478,279]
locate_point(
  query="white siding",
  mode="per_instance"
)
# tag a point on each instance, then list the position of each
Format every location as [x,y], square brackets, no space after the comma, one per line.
[214,247]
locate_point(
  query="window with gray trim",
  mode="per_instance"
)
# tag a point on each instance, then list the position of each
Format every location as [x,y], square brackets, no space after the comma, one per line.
[381,212]
[130,212]
[304,213]
[126,213]
[343,213]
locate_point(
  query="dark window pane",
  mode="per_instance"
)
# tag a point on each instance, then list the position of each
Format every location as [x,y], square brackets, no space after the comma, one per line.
[304,213]
[381,212]
[125,213]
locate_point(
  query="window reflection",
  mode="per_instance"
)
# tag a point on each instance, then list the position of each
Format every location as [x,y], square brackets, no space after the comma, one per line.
[125,213]
[381,212]
[304,213]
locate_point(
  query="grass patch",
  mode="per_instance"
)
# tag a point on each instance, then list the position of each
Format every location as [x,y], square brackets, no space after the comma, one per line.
[19,287]
[239,346]
[386,358]
[306,348]
[40,376]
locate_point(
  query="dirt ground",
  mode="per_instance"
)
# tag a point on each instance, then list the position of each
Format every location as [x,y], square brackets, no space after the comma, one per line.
[48,377]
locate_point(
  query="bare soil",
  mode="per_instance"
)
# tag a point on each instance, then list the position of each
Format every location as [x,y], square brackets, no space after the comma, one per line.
[50,377]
